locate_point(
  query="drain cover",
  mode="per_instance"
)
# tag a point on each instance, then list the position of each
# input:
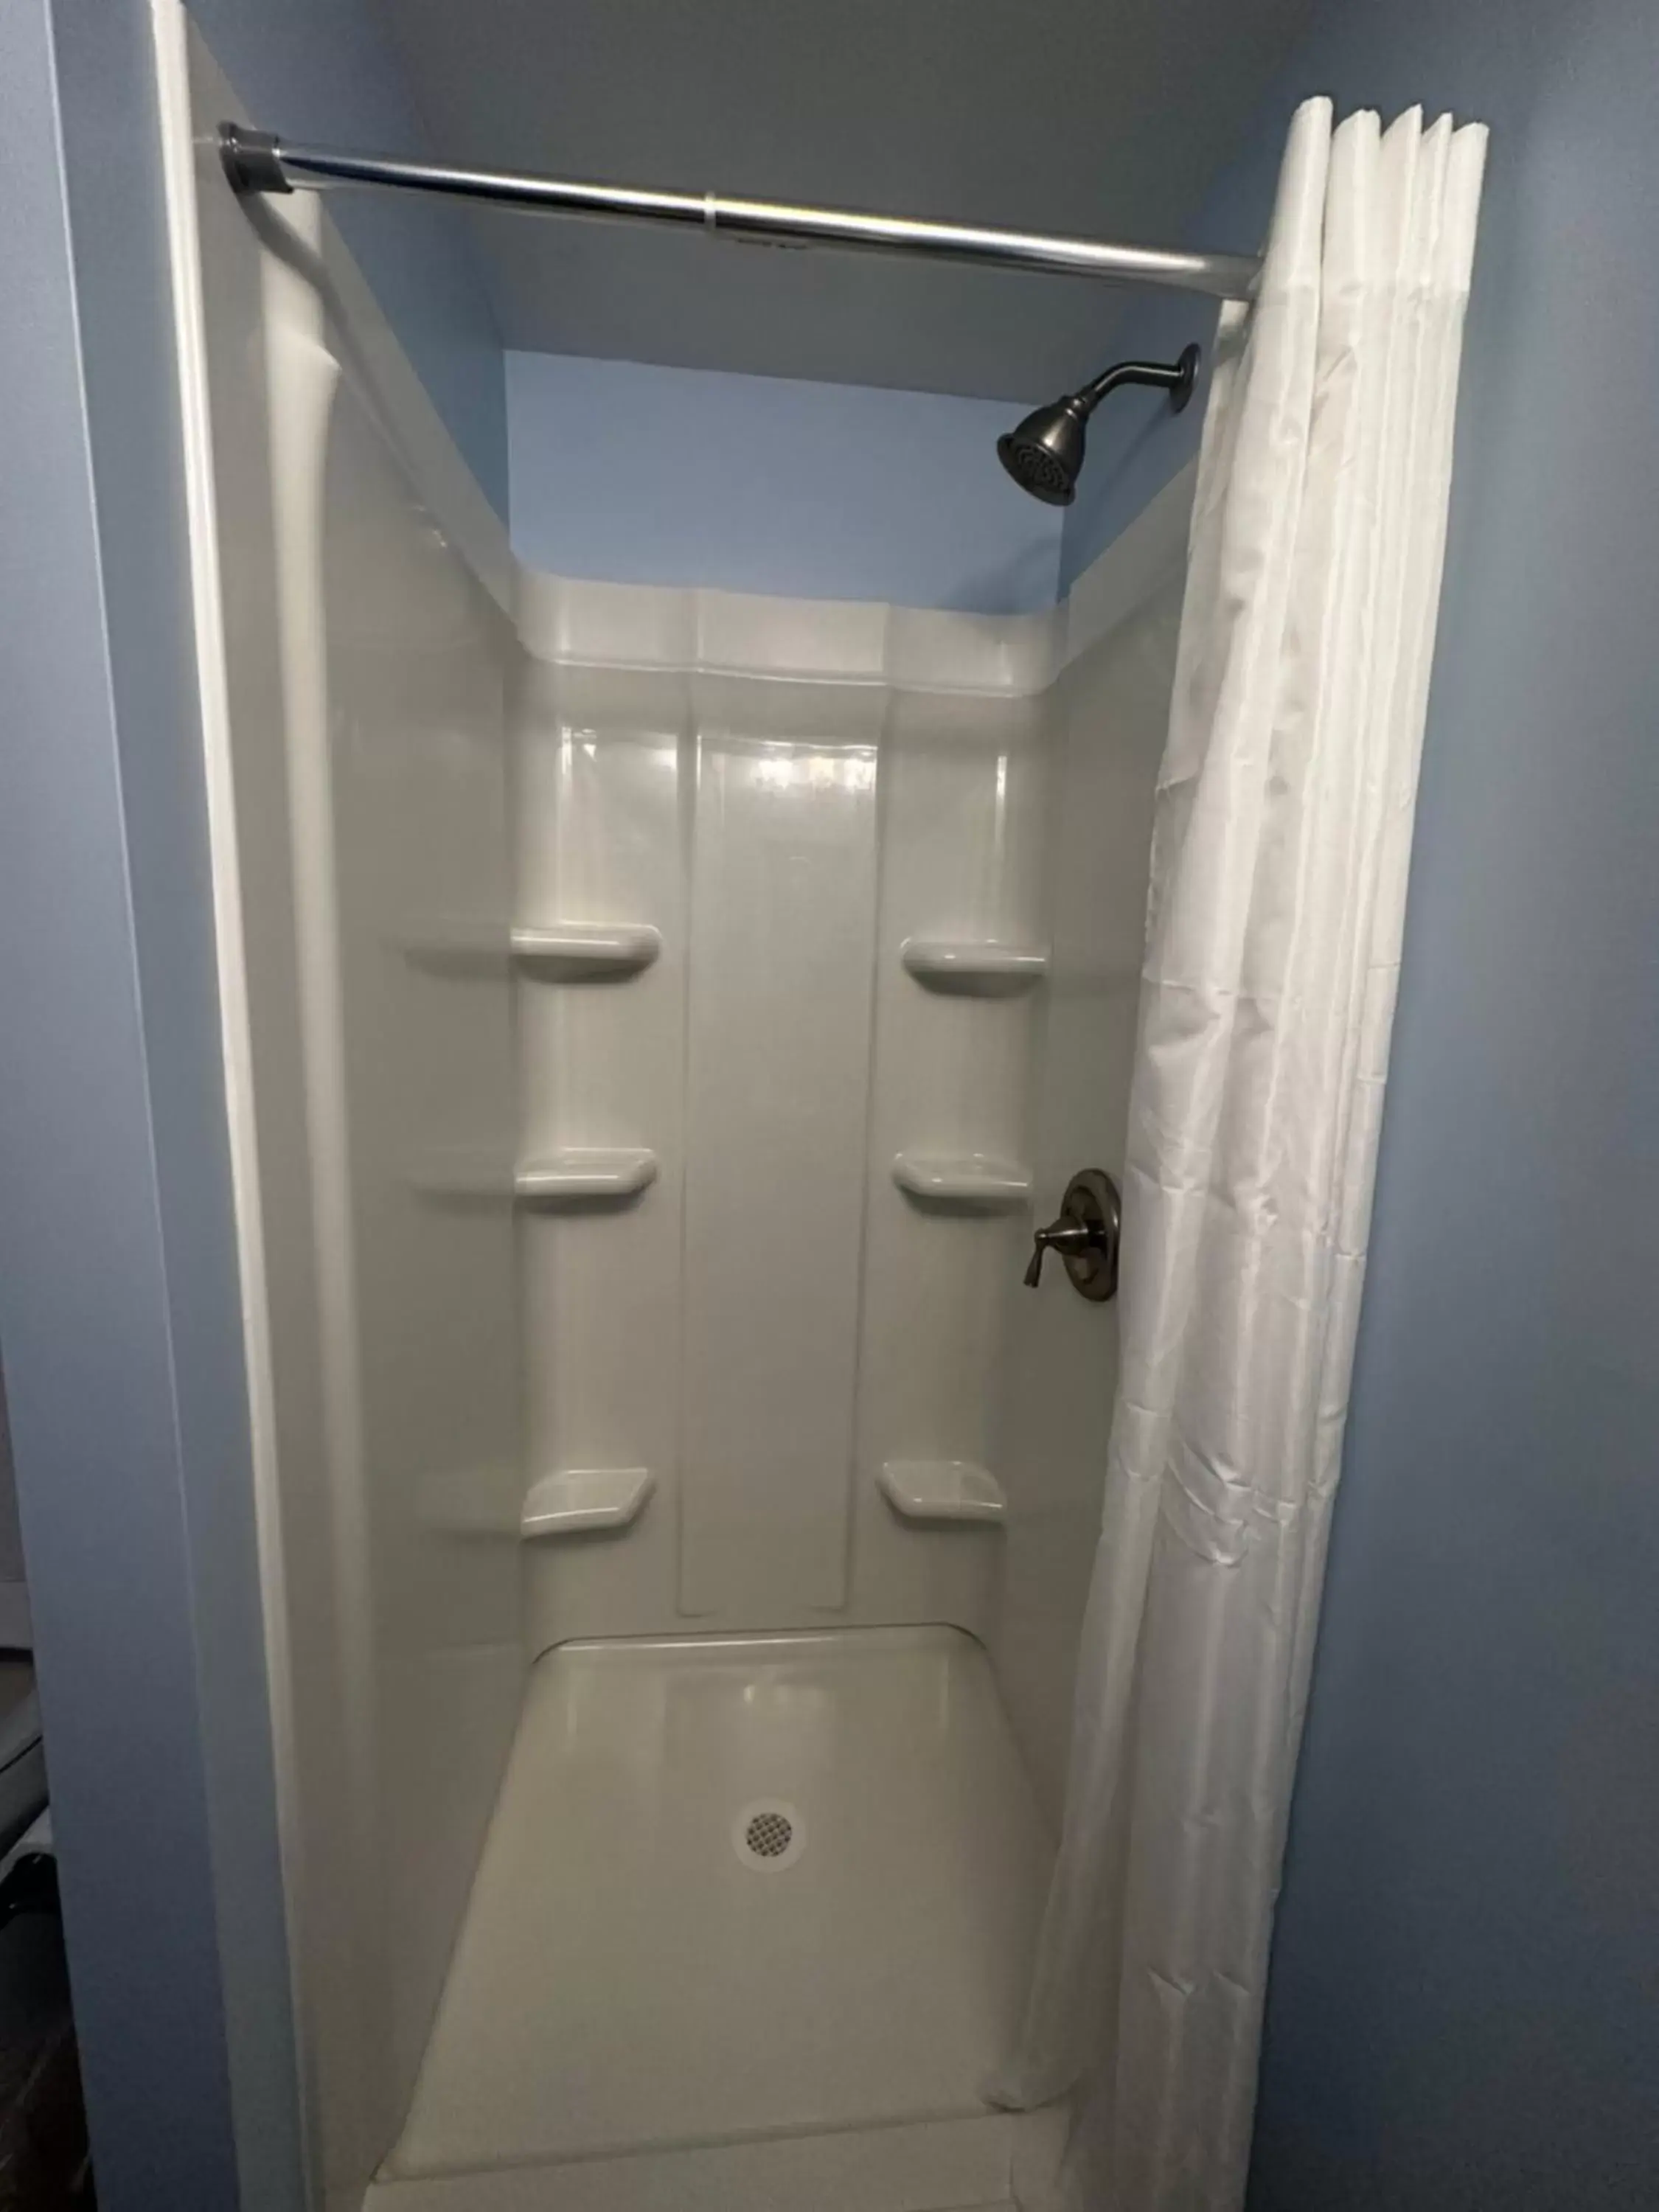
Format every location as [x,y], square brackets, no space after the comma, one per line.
[769,1835]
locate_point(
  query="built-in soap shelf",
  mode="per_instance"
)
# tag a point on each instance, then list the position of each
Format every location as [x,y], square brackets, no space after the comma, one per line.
[576,1499]
[573,950]
[941,1490]
[580,1173]
[561,951]
[575,1172]
[982,967]
[968,1179]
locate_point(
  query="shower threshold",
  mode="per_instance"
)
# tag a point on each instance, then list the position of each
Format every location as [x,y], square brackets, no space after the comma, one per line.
[751,1926]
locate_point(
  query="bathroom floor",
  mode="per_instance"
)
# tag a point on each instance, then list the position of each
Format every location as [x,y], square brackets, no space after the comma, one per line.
[736,1888]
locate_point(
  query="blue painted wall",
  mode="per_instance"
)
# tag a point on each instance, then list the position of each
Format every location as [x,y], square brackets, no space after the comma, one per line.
[757,483]
[324,70]
[1466,1975]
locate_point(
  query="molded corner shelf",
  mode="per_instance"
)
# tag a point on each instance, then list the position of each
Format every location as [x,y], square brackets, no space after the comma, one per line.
[941,1490]
[980,965]
[578,1499]
[576,949]
[963,1178]
[584,1172]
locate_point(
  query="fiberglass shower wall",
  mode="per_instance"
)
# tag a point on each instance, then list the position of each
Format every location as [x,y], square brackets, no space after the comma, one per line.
[743,1343]
[660,1022]
[872,887]
[358,771]
[1109,708]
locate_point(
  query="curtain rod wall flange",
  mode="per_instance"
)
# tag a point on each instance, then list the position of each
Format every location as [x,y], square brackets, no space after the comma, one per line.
[258,161]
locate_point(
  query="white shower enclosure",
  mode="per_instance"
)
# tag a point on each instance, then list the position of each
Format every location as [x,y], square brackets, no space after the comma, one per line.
[656,1022]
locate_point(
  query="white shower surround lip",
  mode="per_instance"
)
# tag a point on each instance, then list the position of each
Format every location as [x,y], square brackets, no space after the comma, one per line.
[1280,857]
[576,621]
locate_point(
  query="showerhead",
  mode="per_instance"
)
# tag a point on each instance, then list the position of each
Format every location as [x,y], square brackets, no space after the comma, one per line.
[1044,454]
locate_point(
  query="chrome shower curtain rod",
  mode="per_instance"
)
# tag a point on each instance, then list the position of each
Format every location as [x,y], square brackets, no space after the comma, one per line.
[258,161]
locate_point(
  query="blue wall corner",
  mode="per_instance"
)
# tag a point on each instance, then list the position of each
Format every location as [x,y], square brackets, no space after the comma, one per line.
[324,70]
[754,483]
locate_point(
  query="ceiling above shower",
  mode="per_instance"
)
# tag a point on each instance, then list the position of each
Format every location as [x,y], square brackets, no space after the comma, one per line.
[1103,118]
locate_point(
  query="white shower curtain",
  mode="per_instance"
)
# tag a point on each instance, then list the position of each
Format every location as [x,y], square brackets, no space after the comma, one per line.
[1279,878]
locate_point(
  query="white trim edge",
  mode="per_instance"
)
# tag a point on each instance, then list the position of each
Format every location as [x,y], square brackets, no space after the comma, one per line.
[373,356]
[169,31]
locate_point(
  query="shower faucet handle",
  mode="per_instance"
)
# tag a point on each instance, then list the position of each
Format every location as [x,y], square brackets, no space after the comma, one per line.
[1085,1235]
[1061,1236]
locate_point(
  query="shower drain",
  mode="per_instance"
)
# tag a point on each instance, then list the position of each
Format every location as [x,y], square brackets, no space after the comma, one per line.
[769,1835]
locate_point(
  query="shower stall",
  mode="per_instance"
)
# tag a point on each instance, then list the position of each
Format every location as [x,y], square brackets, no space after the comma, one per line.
[658,1021]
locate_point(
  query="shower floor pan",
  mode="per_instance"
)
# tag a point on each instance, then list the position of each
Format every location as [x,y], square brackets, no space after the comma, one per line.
[752,1925]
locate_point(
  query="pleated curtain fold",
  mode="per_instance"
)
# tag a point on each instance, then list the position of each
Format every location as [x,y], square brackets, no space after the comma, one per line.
[1280,852]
